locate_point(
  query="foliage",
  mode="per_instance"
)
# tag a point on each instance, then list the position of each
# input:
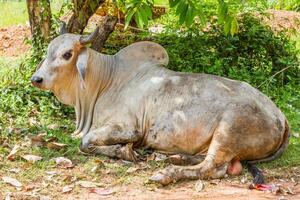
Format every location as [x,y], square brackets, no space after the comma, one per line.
[285,4]
[193,11]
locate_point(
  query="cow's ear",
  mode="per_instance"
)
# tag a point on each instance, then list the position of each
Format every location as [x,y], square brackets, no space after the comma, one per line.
[81,65]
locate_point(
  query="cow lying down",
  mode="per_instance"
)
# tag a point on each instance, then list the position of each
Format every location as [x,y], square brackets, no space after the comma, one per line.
[130,100]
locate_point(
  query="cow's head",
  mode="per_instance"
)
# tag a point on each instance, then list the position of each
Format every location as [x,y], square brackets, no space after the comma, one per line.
[66,57]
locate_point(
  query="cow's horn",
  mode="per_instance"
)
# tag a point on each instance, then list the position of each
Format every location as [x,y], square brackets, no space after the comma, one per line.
[85,39]
[62,29]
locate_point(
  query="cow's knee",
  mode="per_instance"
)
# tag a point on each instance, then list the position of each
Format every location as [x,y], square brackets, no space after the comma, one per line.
[85,145]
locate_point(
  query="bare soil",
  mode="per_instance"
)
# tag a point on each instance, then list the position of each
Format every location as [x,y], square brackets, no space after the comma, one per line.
[12,40]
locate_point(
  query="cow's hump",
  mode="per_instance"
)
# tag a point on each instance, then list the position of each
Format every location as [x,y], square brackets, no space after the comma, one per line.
[141,52]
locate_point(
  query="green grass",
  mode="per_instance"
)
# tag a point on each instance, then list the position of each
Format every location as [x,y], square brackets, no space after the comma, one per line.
[15,12]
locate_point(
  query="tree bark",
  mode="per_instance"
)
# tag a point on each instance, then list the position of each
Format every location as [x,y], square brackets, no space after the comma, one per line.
[106,28]
[39,12]
[82,11]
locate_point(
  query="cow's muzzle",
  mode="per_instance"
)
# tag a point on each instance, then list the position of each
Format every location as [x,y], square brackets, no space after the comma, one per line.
[36,81]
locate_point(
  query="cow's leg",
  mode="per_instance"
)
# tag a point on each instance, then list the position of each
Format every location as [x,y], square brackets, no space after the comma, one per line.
[185,159]
[110,141]
[214,165]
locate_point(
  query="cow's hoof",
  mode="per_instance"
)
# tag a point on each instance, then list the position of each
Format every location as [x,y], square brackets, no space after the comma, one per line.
[127,153]
[161,178]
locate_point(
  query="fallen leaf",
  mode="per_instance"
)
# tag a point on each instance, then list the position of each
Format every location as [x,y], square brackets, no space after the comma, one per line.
[29,187]
[101,191]
[38,140]
[45,198]
[51,172]
[199,186]
[7,196]
[53,126]
[15,170]
[56,145]
[63,162]
[13,152]
[67,188]
[132,169]
[32,158]
[290,191]
[12,181]
[88,184]
[95,169]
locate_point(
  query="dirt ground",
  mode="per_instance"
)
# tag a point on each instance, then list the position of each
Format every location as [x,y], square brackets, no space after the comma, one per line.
[12,40]
[135,185]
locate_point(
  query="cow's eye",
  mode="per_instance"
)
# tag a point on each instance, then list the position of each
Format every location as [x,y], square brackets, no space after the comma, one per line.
[67,55]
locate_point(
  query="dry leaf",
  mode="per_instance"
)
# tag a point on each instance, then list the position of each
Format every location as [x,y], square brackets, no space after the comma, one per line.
[38,140]
[45,198]
[15,170]
[199,186]
[11,181]
[101,191]
[67,188]
[13,152]
[7,196]
[63,162]
[53,126]
[132,169]
[88,184]
[32,158]
[29,187]
[51,172]
[56,145]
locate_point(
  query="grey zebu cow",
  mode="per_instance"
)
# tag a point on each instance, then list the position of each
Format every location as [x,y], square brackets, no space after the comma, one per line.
[130,98]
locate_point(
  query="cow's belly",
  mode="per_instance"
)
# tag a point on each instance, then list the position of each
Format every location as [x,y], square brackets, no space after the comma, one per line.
[182,132]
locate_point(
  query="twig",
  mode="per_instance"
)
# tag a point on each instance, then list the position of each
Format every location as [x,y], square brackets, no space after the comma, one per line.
[274,75]
[131,27]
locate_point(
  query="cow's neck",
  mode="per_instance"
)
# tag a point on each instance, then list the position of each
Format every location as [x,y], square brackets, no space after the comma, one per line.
[98,79]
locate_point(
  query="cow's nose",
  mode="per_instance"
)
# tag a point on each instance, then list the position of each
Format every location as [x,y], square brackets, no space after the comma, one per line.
[36,80]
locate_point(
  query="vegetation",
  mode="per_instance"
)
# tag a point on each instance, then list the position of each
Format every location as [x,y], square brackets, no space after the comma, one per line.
[269,61]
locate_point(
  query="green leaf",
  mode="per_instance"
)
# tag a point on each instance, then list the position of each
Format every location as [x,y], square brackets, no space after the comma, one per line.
[182,14]
[181,6]
[173,3]
[144,16]
[189,16]
[222,12]
[138,19]
[234,26]
[128,17]
[227,24]
[148,11]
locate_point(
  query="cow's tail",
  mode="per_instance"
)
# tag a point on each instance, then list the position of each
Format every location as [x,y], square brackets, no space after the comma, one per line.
[279,151]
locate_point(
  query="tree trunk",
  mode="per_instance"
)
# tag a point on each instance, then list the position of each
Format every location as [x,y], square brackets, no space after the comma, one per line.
[106,28]
[82,11]
[39,12]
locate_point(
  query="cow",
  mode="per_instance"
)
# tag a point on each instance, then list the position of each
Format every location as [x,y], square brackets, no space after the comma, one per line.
[131,100]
